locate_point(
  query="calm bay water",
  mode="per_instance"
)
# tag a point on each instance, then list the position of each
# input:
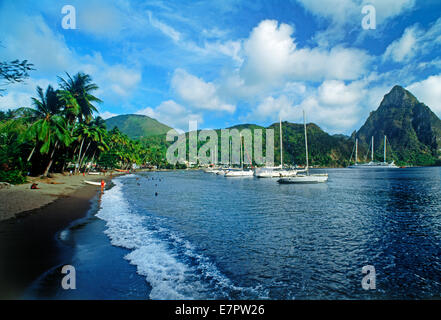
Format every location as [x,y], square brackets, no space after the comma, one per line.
[208,237]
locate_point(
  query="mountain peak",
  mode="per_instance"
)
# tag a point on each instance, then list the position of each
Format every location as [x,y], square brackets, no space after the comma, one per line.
[412,129]
[399,96]
[137,126]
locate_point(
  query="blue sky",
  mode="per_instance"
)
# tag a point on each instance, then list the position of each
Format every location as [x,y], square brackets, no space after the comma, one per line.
[228,62]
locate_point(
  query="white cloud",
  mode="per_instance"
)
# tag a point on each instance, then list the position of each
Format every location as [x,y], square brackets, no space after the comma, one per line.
[337,10]
[272,108]
[272,58]
[428,91]
[414,41]
[229,48]
[164,28]
[107,115]
[273,55]
[344,17]
[387,9]
[334,105]
[405,48]
[335,93]
[29,37]
[123,80]
[198,93]
[349,11]
[100,18]
[172,114]
[19,95]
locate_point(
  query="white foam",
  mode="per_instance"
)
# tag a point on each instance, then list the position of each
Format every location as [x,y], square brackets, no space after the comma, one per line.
[170,264]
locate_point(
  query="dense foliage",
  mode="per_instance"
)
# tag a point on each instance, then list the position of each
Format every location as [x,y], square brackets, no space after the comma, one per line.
[60,133]
[13,72]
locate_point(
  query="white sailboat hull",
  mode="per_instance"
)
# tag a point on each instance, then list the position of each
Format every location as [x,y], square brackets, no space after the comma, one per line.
[374,165]
[274,173]
[93,183]
[239,173]
[304,179]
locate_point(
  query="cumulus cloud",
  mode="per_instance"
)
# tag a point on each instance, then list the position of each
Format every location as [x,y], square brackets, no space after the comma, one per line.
[122,80]
[334,105]
[428,91]
[272,57]
[198,93]
[272,54]
[172,114]
[404,48]
[414,41]
[272,108]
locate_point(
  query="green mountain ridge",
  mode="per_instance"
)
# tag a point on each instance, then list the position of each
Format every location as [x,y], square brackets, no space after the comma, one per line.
[412,129]
[137,126]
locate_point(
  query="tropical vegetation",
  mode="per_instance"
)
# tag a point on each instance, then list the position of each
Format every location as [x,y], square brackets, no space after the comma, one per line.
[62,132]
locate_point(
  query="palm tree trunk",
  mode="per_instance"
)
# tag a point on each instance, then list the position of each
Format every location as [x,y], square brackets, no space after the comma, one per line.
[84,154]
[93,156]
[77,169]
[30,155]
[51,160]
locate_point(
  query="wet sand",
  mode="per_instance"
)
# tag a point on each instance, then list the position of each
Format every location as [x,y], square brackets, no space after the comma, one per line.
[27,241]
[21,198]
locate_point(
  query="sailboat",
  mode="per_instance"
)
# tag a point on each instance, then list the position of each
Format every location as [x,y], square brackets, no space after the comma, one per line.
[224,169]
[276,172]
[306,178]
[239,172]
[213,168]
[373,164]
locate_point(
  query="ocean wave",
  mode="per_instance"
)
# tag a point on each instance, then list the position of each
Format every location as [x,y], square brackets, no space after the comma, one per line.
[171,265]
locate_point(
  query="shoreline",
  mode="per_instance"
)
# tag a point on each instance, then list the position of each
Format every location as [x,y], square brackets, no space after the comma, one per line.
[20,199]
[28,245]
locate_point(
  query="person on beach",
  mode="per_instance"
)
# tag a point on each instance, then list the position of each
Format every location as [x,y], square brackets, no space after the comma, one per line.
[34,186]
[102,185]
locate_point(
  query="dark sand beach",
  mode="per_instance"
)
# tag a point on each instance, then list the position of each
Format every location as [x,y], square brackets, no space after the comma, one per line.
[27,241]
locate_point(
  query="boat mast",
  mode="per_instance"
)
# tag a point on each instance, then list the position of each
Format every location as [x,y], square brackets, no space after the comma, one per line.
[241,153]
[212,156]
[230,148]
[356,151]
[306,141]
[385,140]
[281,145]
[372,151]
[215,154]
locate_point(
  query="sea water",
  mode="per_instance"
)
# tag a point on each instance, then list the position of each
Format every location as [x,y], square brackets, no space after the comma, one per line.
[195,235]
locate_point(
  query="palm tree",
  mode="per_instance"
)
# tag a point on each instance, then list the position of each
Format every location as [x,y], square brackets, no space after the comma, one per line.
[95,137]
[77,95]
[82,133]
[50,129]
